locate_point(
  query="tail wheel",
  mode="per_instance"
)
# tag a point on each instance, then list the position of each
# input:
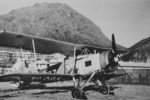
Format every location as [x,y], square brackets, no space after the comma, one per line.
[77,93]
[104,90]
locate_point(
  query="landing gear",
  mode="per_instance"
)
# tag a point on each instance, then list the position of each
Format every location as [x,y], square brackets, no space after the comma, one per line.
[78,92]
[104,89]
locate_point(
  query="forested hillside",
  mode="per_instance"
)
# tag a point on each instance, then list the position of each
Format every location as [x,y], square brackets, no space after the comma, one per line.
[55,21]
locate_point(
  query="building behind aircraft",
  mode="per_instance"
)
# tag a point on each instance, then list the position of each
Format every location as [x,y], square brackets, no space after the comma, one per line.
[8,59]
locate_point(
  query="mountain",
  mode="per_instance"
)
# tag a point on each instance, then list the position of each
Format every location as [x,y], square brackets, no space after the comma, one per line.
[139,52]
[56,21]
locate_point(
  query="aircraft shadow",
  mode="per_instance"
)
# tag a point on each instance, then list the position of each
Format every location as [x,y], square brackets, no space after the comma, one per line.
[45,87]
[50,89]
[51,92]
[60,89]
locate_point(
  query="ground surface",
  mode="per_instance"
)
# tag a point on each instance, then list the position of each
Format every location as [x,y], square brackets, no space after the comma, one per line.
[58,91]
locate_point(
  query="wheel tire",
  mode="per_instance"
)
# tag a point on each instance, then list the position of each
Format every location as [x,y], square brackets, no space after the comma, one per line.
[105,90]
[77,93]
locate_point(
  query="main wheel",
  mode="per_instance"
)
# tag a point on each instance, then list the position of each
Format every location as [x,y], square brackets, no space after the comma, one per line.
[77,93]
[104,90]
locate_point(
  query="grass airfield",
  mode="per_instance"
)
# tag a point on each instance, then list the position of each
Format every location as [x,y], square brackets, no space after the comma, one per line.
[61,91]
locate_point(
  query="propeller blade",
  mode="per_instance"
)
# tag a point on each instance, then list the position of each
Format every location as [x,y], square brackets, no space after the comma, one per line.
[114,45]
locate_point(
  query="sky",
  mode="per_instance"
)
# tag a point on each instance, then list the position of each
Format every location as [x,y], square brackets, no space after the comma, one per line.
[129,20]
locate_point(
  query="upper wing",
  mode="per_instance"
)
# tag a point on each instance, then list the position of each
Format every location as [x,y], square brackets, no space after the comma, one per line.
[45,46]
[42,45]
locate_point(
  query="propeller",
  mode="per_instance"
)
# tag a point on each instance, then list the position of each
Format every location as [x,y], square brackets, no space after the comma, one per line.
[111,63]
[113,54]
[114,51]
[113,59]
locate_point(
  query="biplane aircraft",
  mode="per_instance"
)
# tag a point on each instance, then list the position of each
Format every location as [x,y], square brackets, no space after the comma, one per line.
[96,67]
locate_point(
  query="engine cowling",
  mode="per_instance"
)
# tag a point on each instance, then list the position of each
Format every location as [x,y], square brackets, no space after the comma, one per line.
[104,59]
[107,61]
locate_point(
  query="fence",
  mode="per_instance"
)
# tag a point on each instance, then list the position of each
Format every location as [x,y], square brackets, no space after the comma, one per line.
[134,75]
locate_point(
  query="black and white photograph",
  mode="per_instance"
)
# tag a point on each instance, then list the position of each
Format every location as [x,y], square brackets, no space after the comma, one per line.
[74,49]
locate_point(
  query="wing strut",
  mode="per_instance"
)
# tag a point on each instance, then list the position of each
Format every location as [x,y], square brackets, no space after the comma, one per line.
[33,44]
[21,52]
[75,57]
